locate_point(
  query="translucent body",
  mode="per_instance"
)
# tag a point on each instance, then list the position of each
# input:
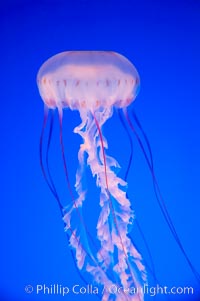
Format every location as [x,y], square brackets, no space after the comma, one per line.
[92,82]
[87,79]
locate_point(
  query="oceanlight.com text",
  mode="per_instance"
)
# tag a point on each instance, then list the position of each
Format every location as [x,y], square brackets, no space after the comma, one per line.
[153,290]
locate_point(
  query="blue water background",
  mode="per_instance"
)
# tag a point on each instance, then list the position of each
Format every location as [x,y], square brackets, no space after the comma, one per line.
[161,38]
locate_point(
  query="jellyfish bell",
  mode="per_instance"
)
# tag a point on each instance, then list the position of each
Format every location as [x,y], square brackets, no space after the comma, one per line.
[88,80]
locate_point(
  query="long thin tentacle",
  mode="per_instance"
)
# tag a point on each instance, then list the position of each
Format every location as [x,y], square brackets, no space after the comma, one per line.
[152,269]
[45,173]
[158,193]
[49,180]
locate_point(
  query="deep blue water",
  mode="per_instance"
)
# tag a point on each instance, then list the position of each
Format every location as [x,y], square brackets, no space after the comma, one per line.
[161,38]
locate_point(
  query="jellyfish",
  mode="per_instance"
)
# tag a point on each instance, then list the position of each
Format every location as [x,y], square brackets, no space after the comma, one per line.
[95,83]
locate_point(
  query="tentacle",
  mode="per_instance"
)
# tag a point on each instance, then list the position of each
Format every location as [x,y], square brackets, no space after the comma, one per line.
[46,172]
[48,177]
[152,267]
[157,190]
